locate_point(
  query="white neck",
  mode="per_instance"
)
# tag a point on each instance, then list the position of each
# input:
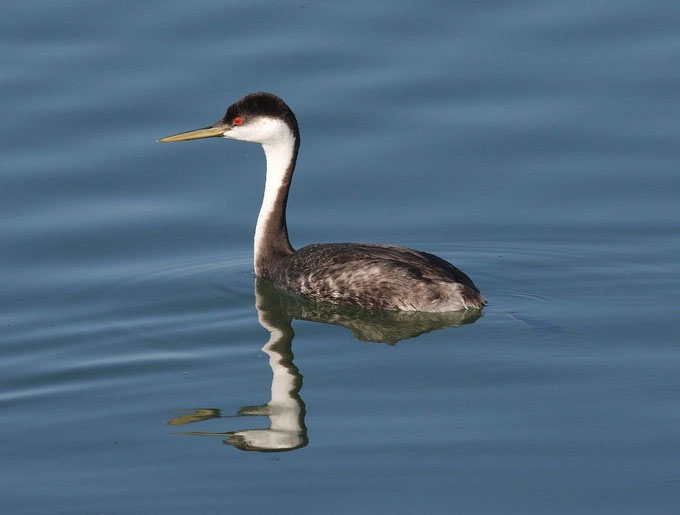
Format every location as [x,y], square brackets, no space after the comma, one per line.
[279,152]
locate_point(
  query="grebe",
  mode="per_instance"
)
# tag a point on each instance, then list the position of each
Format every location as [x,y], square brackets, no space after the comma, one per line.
[367,275]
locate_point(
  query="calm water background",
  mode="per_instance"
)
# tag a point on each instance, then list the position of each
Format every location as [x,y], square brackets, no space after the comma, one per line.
[534,144]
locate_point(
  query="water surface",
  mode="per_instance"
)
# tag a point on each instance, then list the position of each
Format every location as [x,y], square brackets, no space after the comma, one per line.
[533,145]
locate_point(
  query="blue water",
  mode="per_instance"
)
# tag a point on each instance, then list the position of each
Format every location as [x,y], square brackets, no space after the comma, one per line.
[535,145]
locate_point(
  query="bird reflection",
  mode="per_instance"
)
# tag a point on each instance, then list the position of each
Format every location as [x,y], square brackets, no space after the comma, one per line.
[286,409]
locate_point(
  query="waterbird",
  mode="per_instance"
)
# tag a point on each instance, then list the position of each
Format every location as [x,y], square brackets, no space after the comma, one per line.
[371,276]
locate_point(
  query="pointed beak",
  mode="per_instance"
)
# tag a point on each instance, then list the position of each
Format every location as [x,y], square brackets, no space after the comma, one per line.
[214,131]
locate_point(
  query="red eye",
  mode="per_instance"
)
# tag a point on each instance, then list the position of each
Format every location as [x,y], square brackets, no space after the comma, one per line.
[237,121]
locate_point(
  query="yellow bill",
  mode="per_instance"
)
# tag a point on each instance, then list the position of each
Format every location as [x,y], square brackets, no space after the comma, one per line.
[207,132]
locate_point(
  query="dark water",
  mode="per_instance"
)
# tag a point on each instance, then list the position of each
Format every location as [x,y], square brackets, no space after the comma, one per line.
[533,144]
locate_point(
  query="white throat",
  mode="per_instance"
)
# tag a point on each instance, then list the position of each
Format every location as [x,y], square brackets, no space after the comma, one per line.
[278,142]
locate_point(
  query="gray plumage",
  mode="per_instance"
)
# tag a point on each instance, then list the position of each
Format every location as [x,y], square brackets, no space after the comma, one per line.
[375,277]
